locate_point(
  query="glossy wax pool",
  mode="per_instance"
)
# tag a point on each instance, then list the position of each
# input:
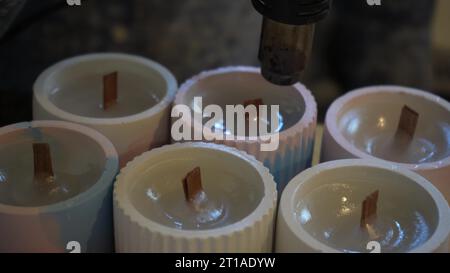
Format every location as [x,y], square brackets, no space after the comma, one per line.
[337,221]
[75,169]
[83,95]
[231,197]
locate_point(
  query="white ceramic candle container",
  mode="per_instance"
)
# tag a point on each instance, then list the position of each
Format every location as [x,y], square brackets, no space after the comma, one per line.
[151,214]
[363,124]
[78,210]
[71,90]
[297,115]
[320,210]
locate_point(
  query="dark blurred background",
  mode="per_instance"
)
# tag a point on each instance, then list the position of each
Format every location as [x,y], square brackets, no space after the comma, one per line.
[402,42]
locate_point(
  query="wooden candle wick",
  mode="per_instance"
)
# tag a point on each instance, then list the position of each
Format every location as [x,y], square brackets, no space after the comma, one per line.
[369,210]
[408,123]
[109,90]
[256,102]
[192,185]
[43,169]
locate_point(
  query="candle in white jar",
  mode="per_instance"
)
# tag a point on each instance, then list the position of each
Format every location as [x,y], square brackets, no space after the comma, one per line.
[139,116]
[239,205]
[294,124]
[321,210]
[40,215]
[365,124]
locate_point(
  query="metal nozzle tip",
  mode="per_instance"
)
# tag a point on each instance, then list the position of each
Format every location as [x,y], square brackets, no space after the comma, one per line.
[280,79]
[284,51]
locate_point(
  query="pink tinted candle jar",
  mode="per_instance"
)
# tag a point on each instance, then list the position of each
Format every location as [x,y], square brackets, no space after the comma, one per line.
[296,118]
[74,205]
[139,119]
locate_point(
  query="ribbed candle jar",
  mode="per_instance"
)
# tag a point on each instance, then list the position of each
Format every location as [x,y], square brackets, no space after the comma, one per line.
[152,215]
[233,86]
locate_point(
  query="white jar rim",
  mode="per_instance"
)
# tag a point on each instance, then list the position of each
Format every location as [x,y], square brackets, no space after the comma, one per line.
[288,201]
[310,112]
[265,207]
[41,91]
[111,167]
[334,110]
